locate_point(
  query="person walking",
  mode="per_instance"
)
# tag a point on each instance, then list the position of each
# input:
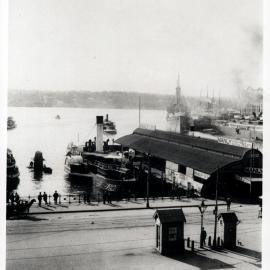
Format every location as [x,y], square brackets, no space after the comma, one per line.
[39,199]
[228,201]
[85,197]
[45,198]
[109,197]
[55,197]
[104,197]
[203,236]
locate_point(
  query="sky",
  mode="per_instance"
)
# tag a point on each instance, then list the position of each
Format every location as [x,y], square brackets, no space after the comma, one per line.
[135,45]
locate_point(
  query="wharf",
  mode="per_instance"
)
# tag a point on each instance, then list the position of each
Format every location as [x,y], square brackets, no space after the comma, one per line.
[132,204]
[123,240]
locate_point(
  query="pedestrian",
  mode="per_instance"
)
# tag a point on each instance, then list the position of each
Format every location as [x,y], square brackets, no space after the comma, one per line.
[104,197]
[55,197]
[88,197]
[39,199]
[17,197]
[228,201]
[85,197]
[45,197]
[203,236]
[12,198]
[109,197]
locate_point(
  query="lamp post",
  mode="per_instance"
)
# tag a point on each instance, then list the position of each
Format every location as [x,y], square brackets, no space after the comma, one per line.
[202,209]
[216,212]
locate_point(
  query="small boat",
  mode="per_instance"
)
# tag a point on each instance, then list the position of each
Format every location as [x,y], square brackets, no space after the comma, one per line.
[47,170]
[11,123]
[109,126]
[12,171]
[74,165]
[37,164]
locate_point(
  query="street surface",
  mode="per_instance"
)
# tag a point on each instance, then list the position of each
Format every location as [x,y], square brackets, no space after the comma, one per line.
[124,240]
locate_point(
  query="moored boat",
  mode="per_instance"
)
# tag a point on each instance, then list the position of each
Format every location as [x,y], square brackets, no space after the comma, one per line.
[98,157]
[11,123]
[109,126]
[13,172]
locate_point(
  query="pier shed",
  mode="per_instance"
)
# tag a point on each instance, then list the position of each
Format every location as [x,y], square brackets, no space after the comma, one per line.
[195,163]
[169,230]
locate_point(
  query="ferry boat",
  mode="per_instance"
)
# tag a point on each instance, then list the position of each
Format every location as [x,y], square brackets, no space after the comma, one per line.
[11,123]
[12,171]
[109,126]
[98,157]
[74,165]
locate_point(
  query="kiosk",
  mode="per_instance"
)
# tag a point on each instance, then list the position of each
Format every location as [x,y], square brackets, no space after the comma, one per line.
[227,227]
[169,230]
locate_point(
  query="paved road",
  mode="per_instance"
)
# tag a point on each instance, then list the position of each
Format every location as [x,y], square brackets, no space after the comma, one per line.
[121,240]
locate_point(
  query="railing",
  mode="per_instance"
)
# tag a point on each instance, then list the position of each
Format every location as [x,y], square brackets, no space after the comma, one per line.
[87,198]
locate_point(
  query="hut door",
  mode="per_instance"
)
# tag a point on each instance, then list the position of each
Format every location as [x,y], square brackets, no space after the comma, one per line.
[158,236]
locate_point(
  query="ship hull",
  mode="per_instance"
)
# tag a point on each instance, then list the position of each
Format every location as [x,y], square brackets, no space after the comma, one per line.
[248,134]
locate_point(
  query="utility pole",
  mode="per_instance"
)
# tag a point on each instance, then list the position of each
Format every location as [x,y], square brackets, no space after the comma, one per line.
[147,183]
[139,111]
[216,212]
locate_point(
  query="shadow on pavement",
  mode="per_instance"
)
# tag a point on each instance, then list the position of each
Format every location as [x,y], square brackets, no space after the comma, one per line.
[113,205]
[247,252]
[32,218]
[202,262]
[46,208]
[63,206]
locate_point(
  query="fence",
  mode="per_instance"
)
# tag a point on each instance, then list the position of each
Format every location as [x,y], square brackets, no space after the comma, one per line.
[86,198]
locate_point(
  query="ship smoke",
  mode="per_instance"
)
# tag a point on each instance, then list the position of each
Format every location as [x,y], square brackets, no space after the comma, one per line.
[244,78]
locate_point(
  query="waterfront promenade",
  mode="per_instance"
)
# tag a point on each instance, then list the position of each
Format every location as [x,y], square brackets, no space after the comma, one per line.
[124,239]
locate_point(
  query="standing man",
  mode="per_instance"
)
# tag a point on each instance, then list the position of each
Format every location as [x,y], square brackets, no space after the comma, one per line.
[55,197]
[228,201]
[39,199]
[45,197]
[203,236]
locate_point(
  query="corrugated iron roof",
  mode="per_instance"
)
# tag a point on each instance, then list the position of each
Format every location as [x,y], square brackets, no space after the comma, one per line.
[202,143]
[170,215]
[197,158]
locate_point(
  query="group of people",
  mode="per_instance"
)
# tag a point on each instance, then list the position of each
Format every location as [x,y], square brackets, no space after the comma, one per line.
[13,198]
[44,196]
[107,197]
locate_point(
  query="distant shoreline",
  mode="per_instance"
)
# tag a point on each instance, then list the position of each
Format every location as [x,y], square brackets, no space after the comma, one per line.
[71,107]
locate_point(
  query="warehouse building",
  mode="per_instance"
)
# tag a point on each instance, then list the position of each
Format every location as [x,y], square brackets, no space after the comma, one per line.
[198,164]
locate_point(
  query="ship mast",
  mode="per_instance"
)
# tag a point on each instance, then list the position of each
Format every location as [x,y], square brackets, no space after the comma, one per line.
[178,91]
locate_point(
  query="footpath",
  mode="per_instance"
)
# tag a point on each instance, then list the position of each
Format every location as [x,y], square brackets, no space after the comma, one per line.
[139,204]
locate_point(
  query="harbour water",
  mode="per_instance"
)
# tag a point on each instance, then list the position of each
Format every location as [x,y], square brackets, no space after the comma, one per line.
[38,129]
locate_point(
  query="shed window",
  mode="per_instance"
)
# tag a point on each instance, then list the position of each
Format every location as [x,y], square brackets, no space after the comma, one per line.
[172,234]
[182,169]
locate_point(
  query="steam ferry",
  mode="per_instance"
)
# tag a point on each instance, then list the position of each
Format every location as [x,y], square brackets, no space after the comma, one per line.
[98,157]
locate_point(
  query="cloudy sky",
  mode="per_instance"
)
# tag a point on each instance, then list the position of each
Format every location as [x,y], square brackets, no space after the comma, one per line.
[135,45]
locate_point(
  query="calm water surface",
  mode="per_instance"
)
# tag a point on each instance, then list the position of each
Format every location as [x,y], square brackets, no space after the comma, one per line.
[37,129]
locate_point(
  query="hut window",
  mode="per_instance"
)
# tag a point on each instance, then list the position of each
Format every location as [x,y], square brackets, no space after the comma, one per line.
[172,234]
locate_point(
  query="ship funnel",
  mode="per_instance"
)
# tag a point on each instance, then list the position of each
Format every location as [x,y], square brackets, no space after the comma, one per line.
[99,142]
